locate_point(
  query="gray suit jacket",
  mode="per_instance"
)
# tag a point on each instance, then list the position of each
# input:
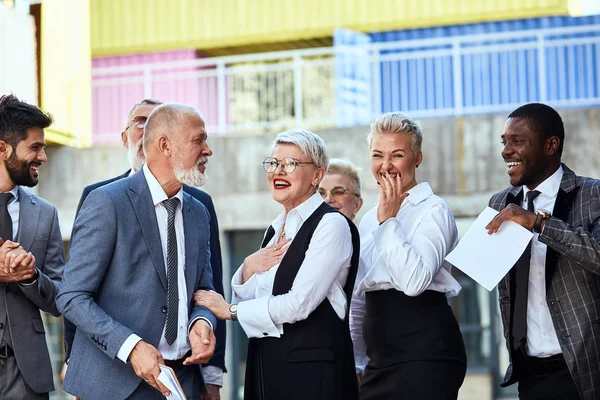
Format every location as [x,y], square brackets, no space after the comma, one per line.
[115,283]
[572,278]
[38,233]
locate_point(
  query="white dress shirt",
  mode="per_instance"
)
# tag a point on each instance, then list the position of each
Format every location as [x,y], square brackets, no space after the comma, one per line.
[541,335]
[13,208]
[181,345]
[322,275]
[405,253]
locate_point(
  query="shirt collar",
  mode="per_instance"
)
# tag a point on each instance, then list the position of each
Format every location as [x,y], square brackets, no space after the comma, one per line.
[550,186]
[419,193]
[15,193]
[156,191]
[304,210]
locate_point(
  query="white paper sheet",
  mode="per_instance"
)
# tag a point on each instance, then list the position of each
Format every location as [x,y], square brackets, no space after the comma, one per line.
[488,258]
[168,378]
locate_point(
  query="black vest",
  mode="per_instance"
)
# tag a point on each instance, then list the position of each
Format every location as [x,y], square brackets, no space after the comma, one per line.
[314,357]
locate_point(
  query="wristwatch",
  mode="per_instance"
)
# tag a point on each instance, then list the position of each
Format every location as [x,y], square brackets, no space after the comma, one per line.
[541,215]
[233,312]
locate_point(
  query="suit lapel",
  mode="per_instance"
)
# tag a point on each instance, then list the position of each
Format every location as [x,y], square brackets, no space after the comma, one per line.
[562,206]
[141,200]
[515,196]
[268,235]
[29,213]
[192,244]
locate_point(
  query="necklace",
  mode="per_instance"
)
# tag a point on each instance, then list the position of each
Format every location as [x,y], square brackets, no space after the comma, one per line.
[281,234]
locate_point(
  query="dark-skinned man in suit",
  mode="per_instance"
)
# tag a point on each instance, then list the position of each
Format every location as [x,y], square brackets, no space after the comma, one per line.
[550,300]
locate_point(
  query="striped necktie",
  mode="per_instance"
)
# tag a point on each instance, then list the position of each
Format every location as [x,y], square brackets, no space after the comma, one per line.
[172,271]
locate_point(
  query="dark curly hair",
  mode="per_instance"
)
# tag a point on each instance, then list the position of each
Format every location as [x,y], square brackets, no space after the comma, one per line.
[16,117]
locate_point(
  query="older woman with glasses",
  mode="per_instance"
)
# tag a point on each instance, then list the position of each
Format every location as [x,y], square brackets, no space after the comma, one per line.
[400,314]
[292,296]
[340,188]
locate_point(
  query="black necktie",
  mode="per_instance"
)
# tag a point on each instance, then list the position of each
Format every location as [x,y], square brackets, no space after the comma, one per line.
[172,286]
[521,283]
[6,231]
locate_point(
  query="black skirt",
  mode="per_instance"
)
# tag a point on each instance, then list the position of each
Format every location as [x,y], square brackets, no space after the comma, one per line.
[415,347]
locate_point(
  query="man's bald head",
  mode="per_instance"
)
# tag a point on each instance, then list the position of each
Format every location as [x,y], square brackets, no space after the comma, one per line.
[166,120]
[175,146]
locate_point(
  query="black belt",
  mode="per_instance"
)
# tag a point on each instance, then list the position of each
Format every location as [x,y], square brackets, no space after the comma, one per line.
[177,363]
[6,351]
[547,364]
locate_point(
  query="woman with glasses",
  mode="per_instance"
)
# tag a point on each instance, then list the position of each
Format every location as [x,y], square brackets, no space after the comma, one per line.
[340,188]
[401,324]
[292,296]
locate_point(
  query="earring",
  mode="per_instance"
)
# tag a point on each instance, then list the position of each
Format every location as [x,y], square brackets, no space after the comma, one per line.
[417,166]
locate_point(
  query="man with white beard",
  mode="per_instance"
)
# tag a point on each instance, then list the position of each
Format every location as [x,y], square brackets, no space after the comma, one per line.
[132,140]
[139,250]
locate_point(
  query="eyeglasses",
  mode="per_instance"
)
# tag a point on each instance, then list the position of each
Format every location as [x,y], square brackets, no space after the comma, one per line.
[336,193]
[289,164]
[138,123]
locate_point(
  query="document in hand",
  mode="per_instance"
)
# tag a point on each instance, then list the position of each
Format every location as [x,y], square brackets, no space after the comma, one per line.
[168,378]
[488,258]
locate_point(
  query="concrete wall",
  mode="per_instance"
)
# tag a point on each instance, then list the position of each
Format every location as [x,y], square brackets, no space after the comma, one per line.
[461,161]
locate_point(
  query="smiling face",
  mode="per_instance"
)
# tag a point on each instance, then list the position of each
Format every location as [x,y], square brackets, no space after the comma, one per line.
[393,153]
[529,158]
[23,163]
[348,203]
[292,189]
[132,135]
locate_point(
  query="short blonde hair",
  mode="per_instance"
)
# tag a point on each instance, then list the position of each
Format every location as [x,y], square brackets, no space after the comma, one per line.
[309,143]
[338,166]
[398,122]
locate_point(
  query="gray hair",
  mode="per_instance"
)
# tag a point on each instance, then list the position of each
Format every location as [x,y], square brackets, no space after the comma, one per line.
[166,117]
[398,122]
[338,166]
[309,143]
[151,102]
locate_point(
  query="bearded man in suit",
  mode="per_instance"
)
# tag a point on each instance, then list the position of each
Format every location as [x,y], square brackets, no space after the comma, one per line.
[140,248]
[131,137]
[31,255]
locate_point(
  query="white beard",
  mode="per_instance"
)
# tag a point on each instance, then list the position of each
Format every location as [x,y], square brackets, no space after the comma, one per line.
[135,161]
[191,177]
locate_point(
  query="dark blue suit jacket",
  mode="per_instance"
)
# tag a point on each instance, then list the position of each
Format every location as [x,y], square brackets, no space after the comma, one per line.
[218,359]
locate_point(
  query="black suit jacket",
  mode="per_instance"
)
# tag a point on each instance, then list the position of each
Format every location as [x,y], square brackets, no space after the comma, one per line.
[218,359]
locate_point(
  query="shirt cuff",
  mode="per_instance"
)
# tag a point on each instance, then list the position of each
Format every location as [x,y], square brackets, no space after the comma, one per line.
[255,320]
[127,347]
[243,291]
[202,318]
[213,375]
[388,234]
[33,282]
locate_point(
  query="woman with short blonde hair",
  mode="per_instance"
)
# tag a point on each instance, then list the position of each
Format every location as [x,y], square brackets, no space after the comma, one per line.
[403,329]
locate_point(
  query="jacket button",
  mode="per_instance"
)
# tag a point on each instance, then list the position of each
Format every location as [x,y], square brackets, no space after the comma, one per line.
[164,309]
[265,334]
[1,325]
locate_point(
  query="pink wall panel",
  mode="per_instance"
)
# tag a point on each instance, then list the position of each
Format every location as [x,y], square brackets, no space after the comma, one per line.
[113,95]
